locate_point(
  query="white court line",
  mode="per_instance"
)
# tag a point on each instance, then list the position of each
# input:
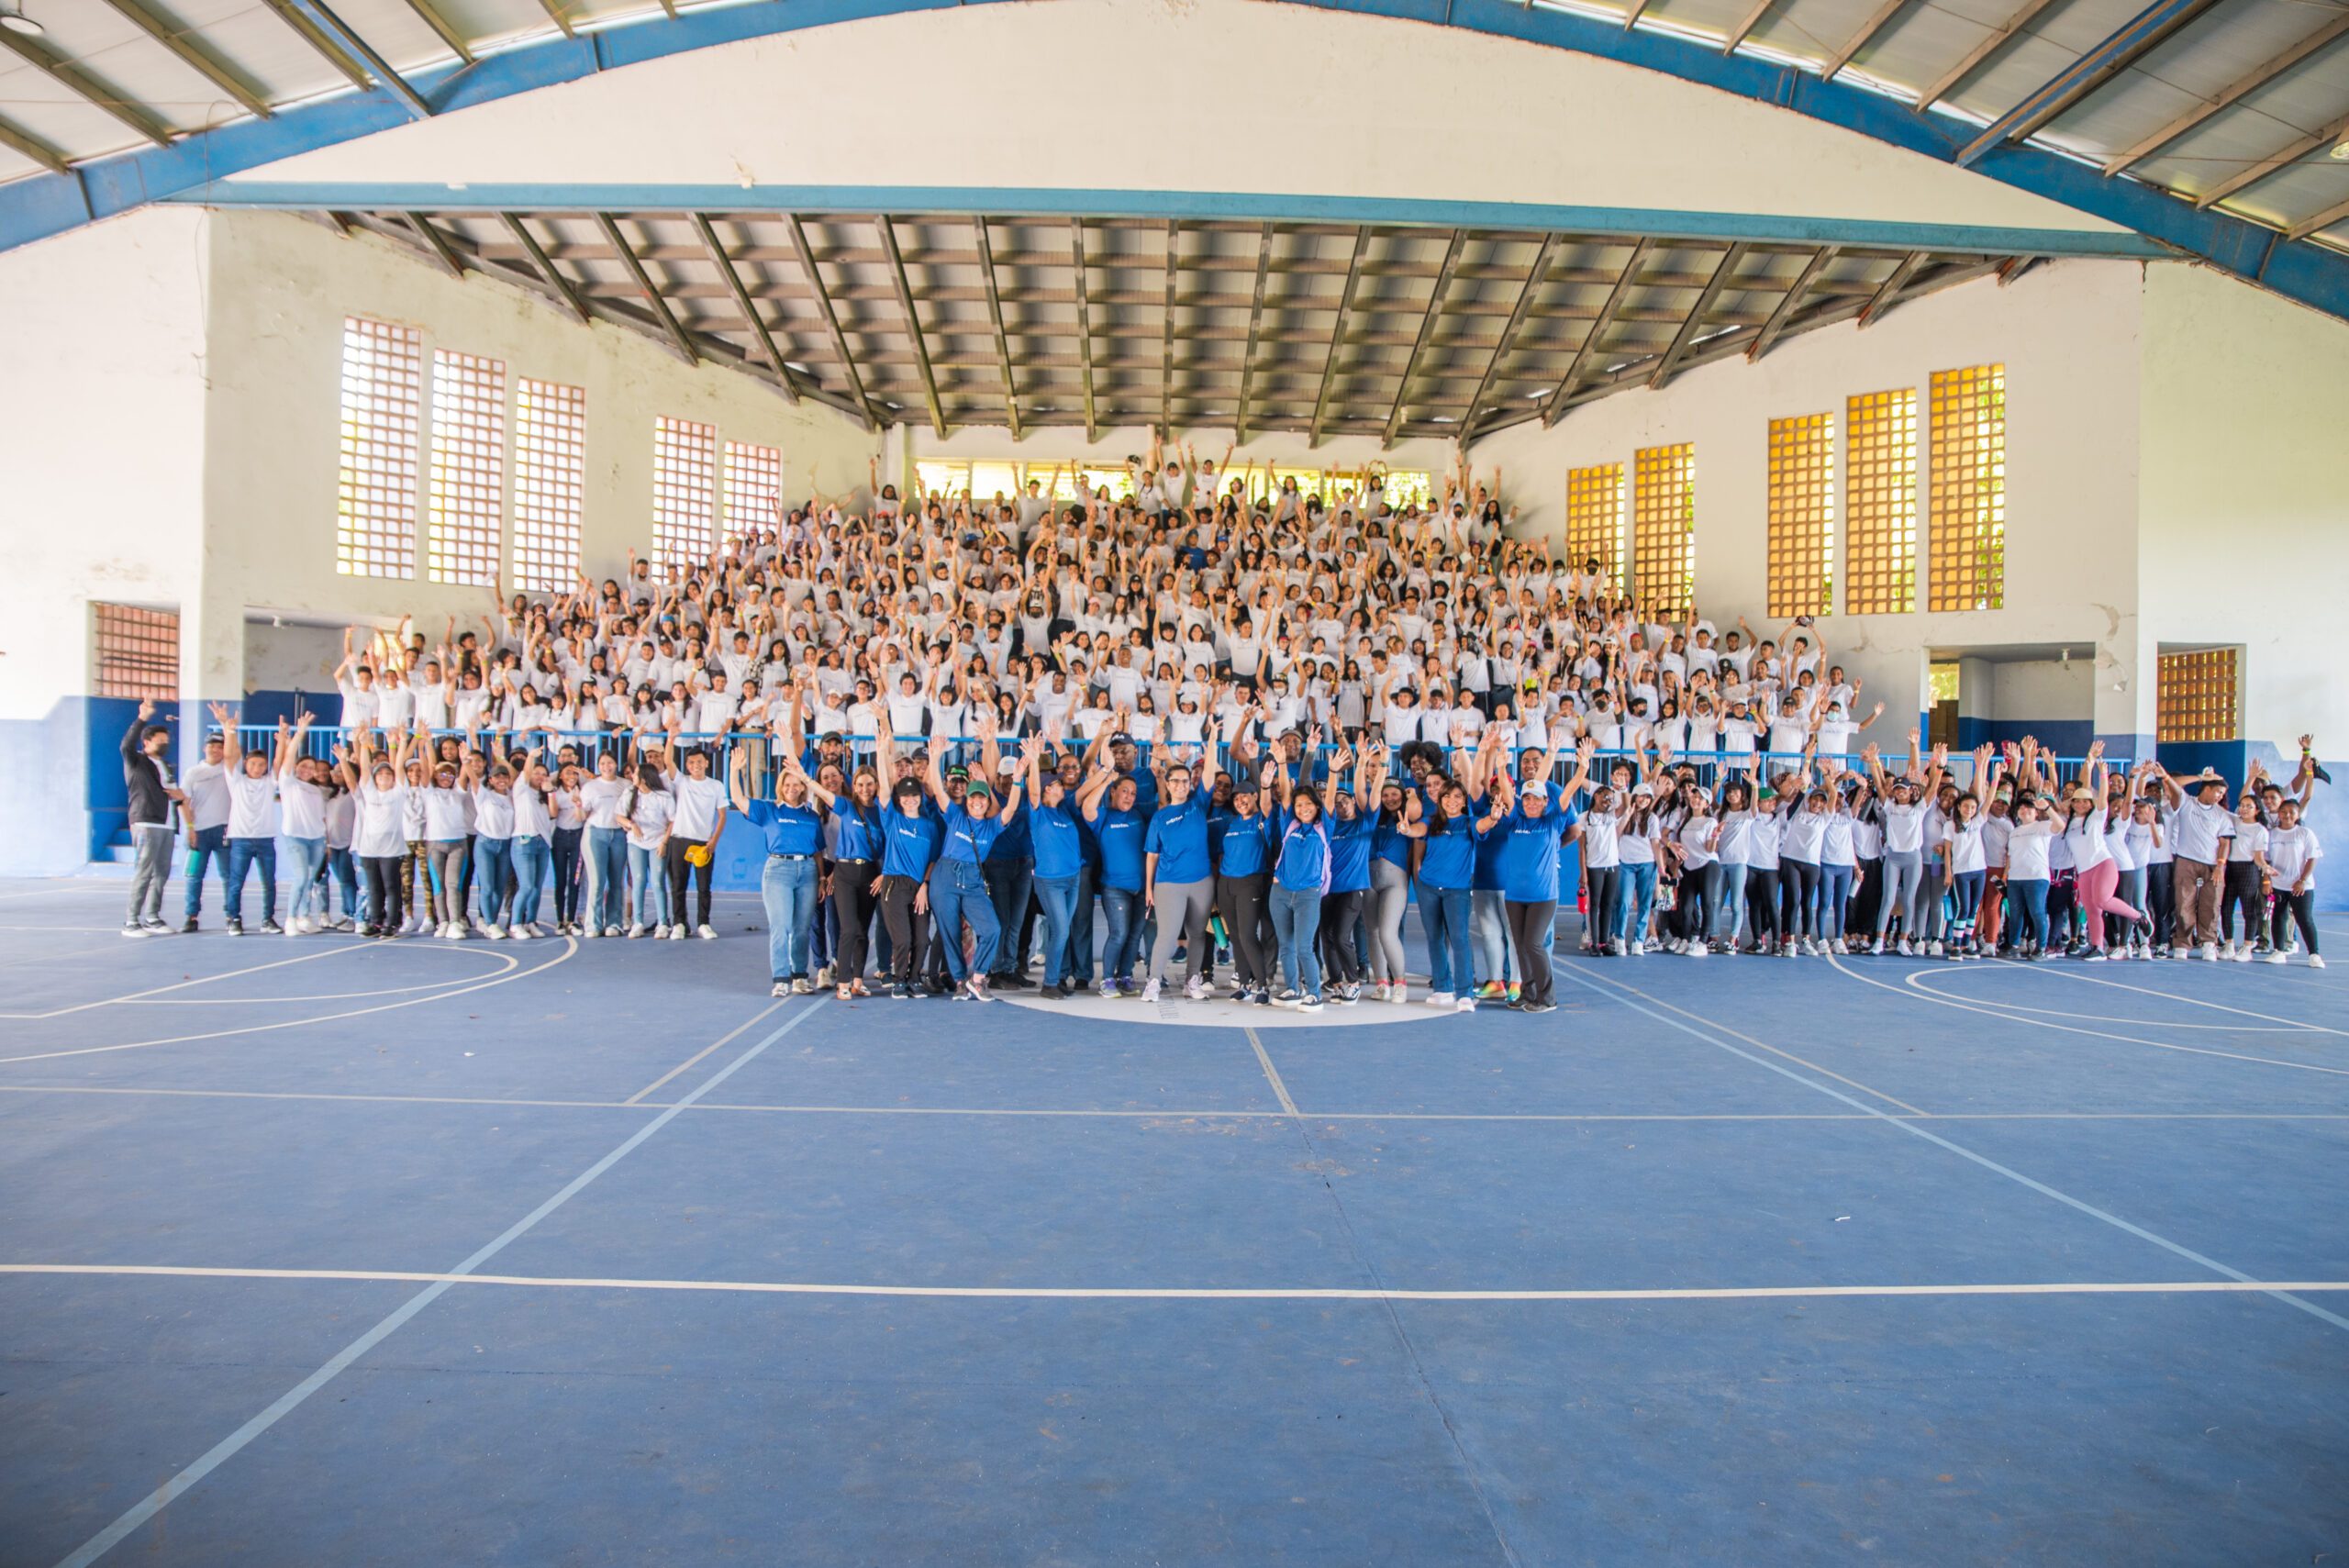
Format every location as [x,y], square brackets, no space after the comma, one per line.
[1917,1129]
[2023,1012]
[181,984]
[1272,1074]
[229,1447]
[1198,1292]
[1174,1115]
[1922,980]
[2174,996]
[639,1097]
[571,947]
[62,887]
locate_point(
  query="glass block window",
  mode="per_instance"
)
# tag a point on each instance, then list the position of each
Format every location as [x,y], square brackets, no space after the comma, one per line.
[1802,515]
[549,482]
[754,486]
[1595,518]
[1880,498]
[138,653]
[2194,697]
[1663,529]
[468,467]
[383,394]
[684,488]
[1968,516]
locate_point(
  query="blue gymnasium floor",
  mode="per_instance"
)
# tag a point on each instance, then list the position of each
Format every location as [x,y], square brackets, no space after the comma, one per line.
[351,1253]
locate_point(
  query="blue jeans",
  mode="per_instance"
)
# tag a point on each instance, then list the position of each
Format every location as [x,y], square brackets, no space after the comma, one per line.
[607,876]
[532,855]
[309,893]
[1120,907]
[1635,895]
[652,883]
[203,845]
[243,855]
[788,889]
[494,875]
[1057,894]
[1008,884]
[1834,892]
[1728,912]
[958,896]
[1080,929]
[1443,912]
[1297,923]
[345,872]
[2030,895]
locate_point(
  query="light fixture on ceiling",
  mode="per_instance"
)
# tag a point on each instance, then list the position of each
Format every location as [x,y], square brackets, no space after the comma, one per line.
[16,21]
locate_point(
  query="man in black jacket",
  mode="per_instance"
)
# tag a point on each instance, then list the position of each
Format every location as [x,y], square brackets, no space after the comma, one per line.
[147,779]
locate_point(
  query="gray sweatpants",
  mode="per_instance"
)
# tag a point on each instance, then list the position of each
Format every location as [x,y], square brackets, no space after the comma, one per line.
[151,843]
[1903,880]
[1182,911]
[1390,891]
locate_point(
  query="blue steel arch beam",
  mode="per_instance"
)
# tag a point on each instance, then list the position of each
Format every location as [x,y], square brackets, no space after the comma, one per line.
[2315,276]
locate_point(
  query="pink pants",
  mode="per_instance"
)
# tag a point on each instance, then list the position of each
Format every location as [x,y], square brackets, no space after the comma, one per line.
[2096,900]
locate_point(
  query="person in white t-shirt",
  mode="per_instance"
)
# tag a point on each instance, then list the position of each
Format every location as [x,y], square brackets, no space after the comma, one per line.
[2292,854]
[2201,834]
[691,844]
[205,813]
[302,803]
[600,801]
[379,838]
[251,778]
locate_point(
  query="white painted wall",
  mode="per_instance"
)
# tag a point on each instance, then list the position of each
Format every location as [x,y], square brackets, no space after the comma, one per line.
[2037,689]
[102,411]
[2068,335]
[282,288]
[2245,516]
[1375,107]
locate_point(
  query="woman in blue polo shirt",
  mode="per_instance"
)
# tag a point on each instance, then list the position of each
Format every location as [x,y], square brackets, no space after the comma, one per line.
[1447,865]
[1532,821]
[1390,889]
[1110,803]
[1243,875]
[852,850]
[1352,832]
[1177,875]
[1059,846]
[958,888]
[794,825]
[908,844]
[1299,879]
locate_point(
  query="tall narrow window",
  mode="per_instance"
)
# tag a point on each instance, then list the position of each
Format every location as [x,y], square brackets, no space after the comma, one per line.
[1802,515]
[1881,495]
[2194,697]
[1595,518]
[549,482]
[138,653]
[468,466]
[1663,529]
[684,488]
[383,391]
[754,486]
[1969,519]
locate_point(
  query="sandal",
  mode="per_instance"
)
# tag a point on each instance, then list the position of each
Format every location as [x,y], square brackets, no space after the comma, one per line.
[842,993]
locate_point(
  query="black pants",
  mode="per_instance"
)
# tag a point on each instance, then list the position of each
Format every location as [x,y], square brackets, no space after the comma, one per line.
[1762,904]
[2301,908]
[1254,954]
[566,873]
[1340,913]
[2241,891]
[386,888]
[1598,922]
[680,870]
[853,905]
[1533,927]
[1870,897]
[908,932]
[1798,885]
[2161,900]
[1699,885]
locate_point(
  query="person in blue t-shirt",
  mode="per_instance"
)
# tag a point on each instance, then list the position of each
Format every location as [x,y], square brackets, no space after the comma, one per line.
[1120,827]
[1531,821]
[794,825]
[1243,875]
[1300,876]
[1058,840]
[909,845]
[1178,875]
[958,887]
[1447,832]
[1352,834]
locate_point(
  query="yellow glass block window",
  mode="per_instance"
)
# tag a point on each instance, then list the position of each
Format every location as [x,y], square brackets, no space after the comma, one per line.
[383,418]
[2194,697]
[1968,518]
[1595,518]
[468,491]
[1880,498]
[1663,529]
[1802,515]
[684,488]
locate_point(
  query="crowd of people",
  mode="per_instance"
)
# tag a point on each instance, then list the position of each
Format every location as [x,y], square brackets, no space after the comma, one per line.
[1201,733]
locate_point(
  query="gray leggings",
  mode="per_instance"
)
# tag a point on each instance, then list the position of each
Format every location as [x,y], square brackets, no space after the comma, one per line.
[1488,935]
[1390,890]
[1182,911]
[1904,878]
[152,842]
[446,857]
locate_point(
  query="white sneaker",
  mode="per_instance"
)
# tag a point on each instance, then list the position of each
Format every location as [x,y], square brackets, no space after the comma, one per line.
[2275,957]
[615,930]
[1150,992]
[1465,1005]
[1808,949]
[589,931]
[2243,953]
[494,933]
[1933,950]
[676,933]
[1838,949]
[707,931]
[2316,961]
[1197,989]
[2210,952]
[1694,949]
[1637,949]
[1441,999]
[1907,948]
[636,929]
[1400,991]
